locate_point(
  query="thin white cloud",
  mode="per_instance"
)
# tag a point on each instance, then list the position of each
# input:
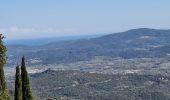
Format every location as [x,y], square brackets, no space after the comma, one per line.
[16,29]
[13,29]
[16,32]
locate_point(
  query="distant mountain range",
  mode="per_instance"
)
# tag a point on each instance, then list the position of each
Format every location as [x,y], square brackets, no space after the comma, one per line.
[135,43]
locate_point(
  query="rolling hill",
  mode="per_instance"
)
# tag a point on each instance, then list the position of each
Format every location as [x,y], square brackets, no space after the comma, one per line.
[135,43]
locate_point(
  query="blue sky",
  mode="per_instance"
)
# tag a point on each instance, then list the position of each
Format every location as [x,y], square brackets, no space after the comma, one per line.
[20,19]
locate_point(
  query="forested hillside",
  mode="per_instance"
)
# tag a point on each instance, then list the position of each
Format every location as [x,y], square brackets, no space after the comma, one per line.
[75,85]
[131,65]
[136,43]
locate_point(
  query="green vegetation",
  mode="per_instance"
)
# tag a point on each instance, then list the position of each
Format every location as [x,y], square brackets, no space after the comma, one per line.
[136,69]
[22,87]
[26,91]
[18,84]
[76,85]
[3,92]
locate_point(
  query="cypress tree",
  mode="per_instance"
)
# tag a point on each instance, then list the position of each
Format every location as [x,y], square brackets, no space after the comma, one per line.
[26,91]
[18,84]
[3,91]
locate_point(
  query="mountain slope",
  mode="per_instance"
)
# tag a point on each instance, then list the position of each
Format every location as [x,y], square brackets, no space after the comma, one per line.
[136,43]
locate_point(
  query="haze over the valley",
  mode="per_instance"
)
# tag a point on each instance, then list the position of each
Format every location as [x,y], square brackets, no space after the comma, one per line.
[85,49]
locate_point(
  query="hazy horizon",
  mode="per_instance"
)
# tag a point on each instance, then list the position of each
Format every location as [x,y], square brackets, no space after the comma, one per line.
[46,40]
[42,19]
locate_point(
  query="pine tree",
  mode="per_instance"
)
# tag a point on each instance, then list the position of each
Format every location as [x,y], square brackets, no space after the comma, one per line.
[3,92]
[26,91]
[18,84]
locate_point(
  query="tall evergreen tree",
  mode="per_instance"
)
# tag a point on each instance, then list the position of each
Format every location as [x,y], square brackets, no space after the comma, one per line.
[18,84]
[3,91]
[26,91]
